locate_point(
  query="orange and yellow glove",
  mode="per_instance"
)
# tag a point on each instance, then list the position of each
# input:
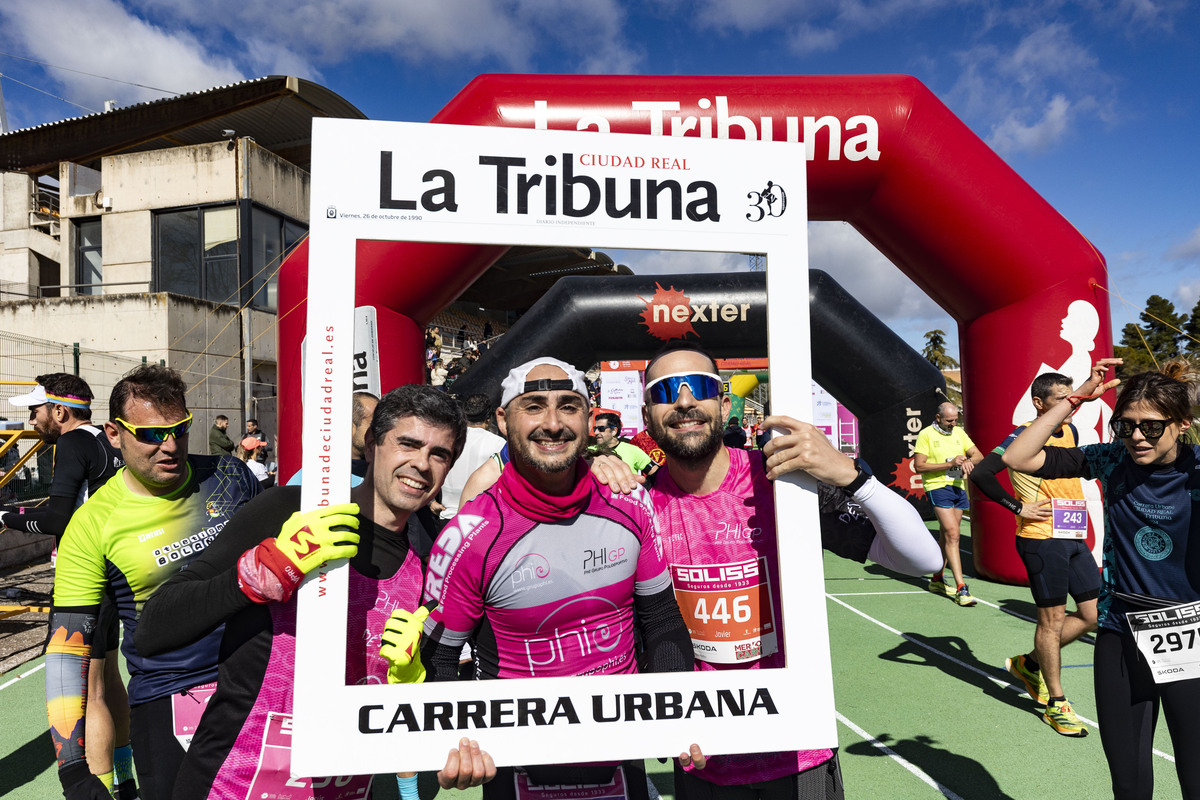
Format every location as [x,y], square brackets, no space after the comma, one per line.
[271,571]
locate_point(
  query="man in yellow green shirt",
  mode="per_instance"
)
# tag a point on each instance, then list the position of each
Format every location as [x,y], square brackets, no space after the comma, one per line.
[944,456]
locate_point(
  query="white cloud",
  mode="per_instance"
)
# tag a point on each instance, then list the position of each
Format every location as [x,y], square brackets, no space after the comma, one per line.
[1188,294]
[1014,134]
[864,272]
[511,33]
[1188,250]
[809,40]
[103,38]
[670,262]
[1029,96]
[1048,52]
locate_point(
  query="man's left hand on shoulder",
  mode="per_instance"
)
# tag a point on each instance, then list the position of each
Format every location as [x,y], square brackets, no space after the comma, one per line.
[797,445]
[615,474]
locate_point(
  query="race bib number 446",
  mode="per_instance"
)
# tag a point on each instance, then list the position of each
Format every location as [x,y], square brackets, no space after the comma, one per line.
[728,610]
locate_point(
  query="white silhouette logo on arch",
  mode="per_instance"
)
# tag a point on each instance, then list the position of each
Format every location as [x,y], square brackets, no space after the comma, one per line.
[1079,329]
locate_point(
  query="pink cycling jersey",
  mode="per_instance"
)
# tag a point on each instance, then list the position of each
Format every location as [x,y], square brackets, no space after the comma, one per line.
[552,597]
[258,763]
[722,548]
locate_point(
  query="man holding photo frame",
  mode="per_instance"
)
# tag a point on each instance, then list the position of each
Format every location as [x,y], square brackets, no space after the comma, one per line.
[549,572]
[716,511]
[242,745]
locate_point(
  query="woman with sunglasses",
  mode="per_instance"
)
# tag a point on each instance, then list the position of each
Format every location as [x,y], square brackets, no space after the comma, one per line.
[1148,643]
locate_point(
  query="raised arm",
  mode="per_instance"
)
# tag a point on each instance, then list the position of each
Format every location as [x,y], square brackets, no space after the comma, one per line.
[1025,453]
[249,562]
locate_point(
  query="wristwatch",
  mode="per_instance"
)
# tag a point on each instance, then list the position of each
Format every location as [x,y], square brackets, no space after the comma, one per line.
[859,479]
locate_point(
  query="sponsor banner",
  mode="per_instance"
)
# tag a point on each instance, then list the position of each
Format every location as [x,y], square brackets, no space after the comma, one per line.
[411,182]
[622,392]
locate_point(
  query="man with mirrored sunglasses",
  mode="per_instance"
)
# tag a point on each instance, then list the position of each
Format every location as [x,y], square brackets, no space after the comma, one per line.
[150,520]
[716,506]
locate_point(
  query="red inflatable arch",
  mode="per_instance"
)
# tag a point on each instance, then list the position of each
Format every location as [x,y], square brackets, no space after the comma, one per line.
[884,155]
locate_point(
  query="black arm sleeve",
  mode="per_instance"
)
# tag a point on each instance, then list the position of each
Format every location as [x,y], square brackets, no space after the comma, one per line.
[665,641]
[1063,462]
[76,459]
[440,660]
[846,531]
[984,476]
[206,594]
[52,518]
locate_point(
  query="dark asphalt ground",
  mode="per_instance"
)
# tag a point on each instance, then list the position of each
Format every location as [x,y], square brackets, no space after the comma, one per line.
[23,635]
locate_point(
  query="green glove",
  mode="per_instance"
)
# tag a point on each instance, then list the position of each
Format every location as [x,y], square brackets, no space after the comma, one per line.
[401,638]
[272,570]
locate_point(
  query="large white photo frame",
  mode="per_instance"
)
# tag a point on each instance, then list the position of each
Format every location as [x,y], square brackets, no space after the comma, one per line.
[758,191]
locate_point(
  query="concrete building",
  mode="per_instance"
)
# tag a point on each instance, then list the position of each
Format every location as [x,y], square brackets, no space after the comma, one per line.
[155,232]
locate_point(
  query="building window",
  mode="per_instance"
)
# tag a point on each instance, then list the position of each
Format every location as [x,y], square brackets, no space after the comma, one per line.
[88,256]
[196,253]
[272,238]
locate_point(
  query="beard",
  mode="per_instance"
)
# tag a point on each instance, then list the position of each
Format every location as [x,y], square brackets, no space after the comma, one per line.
[526,451]
[691,446]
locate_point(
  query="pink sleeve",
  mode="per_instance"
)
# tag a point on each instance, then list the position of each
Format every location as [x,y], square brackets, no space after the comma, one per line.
[453,579]
[653,574]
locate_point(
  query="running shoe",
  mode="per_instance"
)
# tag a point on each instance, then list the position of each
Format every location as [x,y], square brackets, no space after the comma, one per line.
[1031,680]
[963,596]
[1062,718]
[938,586]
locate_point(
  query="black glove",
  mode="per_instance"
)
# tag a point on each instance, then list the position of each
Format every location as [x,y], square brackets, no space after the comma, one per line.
[80,784]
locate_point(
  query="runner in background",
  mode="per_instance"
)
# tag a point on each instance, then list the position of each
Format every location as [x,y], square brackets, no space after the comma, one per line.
[1052,525]
[944,456]
[1147,655]
[60,410]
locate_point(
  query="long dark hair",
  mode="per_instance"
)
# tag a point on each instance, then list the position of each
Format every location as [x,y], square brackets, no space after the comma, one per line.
[1169,391]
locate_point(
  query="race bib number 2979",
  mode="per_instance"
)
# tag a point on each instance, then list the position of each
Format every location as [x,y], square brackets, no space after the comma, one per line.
[1169,640]
[728,610]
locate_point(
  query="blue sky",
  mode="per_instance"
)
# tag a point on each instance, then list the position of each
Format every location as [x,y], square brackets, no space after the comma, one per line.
[1095,103]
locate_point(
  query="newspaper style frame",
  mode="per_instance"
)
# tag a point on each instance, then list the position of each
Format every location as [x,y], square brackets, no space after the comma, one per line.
[337,727]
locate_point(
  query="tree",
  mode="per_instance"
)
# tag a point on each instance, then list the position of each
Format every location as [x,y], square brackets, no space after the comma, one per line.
[935,350]
[1191,344]
[1156,340]
[935,353]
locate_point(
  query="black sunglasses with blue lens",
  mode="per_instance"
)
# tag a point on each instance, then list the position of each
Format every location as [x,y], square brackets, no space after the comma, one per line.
[702,385]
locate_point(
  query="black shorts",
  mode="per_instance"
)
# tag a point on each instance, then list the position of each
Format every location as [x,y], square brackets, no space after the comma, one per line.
[157,754]
[822,782]
[1058,567]
[108,629]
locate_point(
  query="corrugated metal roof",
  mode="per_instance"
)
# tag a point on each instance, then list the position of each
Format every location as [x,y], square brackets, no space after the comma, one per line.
[277,111]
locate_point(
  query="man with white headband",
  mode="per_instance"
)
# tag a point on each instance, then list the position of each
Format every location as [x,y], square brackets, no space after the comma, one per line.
[60,410]
[597,557]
